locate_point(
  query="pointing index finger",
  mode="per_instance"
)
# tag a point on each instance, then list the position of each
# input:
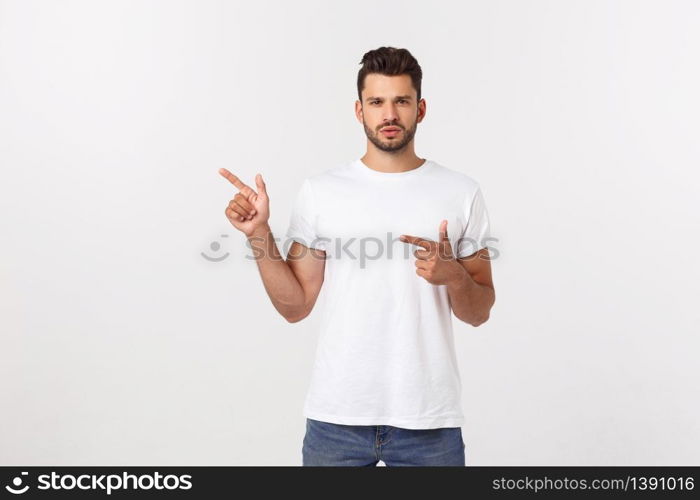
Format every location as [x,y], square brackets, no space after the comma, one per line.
[232,179]
[416,240]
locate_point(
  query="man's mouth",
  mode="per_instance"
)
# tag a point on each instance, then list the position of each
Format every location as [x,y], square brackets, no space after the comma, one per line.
[390,131]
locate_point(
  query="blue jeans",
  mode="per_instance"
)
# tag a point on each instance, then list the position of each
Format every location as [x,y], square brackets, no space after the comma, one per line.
[327,444]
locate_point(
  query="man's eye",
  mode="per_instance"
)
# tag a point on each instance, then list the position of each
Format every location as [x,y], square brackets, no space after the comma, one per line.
[377,102]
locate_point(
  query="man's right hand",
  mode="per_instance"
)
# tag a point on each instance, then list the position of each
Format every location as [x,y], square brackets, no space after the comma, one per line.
[248,210]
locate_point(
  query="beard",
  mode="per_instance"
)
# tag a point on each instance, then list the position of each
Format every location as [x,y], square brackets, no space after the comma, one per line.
[391,145]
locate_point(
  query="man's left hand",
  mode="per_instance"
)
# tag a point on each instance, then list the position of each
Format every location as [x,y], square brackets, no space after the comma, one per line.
[435,261]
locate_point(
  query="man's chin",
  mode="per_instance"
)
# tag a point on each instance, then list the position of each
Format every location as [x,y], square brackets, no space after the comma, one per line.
[391,145]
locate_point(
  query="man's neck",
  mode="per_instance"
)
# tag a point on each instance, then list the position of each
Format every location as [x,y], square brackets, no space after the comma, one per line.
[385,162]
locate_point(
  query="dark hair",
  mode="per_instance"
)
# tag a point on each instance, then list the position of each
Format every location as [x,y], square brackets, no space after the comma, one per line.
[389,61]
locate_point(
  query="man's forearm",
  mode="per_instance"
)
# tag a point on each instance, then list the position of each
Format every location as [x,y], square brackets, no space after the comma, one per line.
[470,301]
[282,286]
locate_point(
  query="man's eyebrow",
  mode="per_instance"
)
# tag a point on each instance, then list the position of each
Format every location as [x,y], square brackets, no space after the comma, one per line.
[381,98]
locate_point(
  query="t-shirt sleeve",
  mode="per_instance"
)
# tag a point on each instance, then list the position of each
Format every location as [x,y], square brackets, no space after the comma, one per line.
[302,221]
[478,229]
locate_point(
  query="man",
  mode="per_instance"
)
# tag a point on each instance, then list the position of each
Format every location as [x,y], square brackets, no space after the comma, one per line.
[398,242]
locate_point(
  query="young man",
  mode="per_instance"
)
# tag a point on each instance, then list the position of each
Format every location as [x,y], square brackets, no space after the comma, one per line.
[398,243]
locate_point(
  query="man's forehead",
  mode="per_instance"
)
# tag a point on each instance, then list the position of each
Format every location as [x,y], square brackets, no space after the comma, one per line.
[384,86]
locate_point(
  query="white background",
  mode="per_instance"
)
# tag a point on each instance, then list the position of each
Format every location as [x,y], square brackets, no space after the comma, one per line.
[121,345]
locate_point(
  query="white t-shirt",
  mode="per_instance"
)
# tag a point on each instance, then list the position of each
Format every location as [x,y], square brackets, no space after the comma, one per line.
[385,352]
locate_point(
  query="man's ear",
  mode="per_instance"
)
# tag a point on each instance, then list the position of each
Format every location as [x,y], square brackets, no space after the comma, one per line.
[359,111]
[418,112]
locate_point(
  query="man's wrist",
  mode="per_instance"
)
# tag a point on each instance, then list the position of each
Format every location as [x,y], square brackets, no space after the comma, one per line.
[260,231]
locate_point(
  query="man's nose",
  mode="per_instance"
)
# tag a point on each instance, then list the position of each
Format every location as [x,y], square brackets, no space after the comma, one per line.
[390,114]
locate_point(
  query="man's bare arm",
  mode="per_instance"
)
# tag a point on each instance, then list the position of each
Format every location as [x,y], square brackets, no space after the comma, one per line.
[469,285]
[472,293]
[293,284]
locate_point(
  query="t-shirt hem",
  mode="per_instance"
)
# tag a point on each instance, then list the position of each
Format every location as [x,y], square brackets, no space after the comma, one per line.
[464,253]
[316,244]
[404,422]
